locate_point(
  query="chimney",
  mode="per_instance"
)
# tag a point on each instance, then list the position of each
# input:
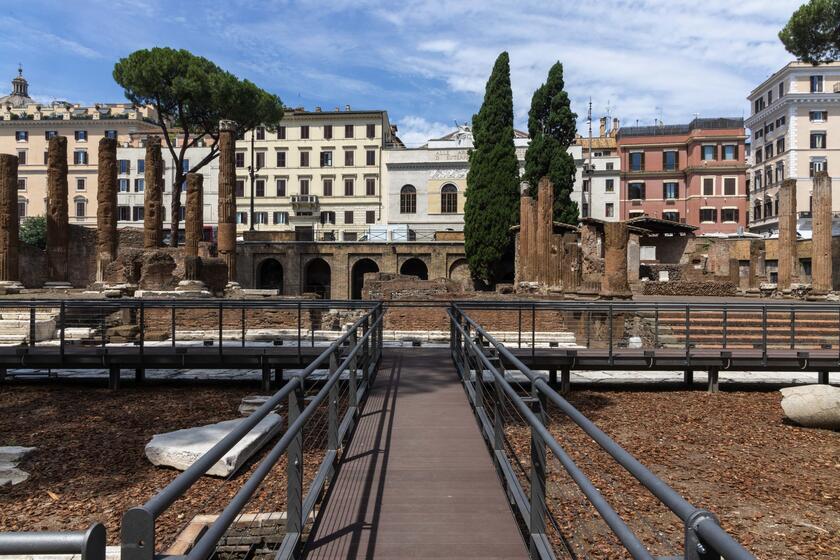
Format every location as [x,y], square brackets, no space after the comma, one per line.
[615,126]
[602,130]
[317,109]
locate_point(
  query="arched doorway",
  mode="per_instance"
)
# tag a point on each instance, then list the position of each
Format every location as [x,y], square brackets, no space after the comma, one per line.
[357,277]
[459,272]
[270,275]
[415,267]
[318,278]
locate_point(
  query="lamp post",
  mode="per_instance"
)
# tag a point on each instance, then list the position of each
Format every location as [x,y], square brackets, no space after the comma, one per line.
[251,173]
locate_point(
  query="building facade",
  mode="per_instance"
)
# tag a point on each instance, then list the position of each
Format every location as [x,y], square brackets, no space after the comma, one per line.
[318,174]
[693,173]
[598,174]
[795,125]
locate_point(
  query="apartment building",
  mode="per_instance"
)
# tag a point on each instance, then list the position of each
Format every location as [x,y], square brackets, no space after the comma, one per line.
[691,173]
[795,125]
[26,127]
[318,173]
[598,175]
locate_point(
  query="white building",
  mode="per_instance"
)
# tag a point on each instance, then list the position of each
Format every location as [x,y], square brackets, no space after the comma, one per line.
[596,189]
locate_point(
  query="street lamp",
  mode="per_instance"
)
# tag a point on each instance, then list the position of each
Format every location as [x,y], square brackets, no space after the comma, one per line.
[251,173]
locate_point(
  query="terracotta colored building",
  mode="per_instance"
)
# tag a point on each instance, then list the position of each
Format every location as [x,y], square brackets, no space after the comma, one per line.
[690,173]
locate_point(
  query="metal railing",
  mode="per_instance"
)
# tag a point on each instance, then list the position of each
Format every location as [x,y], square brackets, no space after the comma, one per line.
[351,354]
[90,544]
[704,538]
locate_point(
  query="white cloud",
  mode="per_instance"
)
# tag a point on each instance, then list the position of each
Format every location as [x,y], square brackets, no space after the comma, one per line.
[415,131]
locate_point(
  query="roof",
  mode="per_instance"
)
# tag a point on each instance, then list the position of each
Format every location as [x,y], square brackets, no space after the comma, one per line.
[598,142]
[559,227]
[458,131]
[658,225]
[600,225]
[719,123]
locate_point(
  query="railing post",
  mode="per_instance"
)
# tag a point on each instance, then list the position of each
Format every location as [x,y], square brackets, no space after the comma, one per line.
[243,327]
[62,318]
[792,327]
[519,330]
[142,326]
[32,326]
[725,324]
[695,549]
[300,358]
[610,331]
[332,406]
[366,361]
[353,401]
[656,325]
[588,329]
[537,482]
[221,325]
[294,466]
[533,330]
[137,534]
[764,334]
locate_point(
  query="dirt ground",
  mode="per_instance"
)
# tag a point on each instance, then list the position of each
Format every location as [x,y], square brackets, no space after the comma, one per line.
[90,465]
[774,486]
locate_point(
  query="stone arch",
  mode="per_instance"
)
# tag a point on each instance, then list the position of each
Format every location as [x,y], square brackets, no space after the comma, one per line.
[459,272]
[317,277]
[357,276]
[415,267]
[270,275]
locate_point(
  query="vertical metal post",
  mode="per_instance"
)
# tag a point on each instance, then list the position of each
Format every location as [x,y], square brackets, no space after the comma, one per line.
[366,361]
[589,329]
[792,327]
[32,326]
[173,326]
[533,330]
[656,325]
[353,400]
[294,466]
[142,326]
[538,468]
[713,380]
[764,335]
[243,327]
[332,406]
[725,324]
[104,337]
[610,331]
[62,318]
[565,381]
[221,324]
[519,330]
[300,359]
[687,331]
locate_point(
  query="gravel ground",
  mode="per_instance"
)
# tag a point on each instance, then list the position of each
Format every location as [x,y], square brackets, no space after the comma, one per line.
[773,485]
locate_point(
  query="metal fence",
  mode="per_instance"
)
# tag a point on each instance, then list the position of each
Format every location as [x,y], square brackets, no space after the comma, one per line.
[480,361]
[89,544]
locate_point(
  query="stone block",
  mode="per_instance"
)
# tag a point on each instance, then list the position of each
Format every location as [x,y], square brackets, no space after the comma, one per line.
[813,406]
[181,448]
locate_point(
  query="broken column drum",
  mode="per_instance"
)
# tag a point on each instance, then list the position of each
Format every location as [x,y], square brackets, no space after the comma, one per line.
[106,206]
[615,284]
[227,196]
[58,234]
[153,196]
[8,218]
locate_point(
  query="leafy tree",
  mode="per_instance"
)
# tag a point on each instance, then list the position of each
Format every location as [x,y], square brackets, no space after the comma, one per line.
[492,197]
[813,32]
[551,126]
[33,231]
[191,95]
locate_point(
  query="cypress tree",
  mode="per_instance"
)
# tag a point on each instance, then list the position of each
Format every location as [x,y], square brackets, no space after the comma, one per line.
[551,126]
[492,197]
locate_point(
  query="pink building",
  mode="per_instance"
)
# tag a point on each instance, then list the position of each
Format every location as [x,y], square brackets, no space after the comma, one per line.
[691,173]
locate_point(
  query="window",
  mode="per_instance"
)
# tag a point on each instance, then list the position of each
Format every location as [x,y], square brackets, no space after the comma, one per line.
[260,133]
[370,130]
[328,132]
[449,199]
[50,134]
[281,158]
[137,213]
[408,200]
[139,185]
[280,187]
[242,217]
[304,158]
[124,166]
[609,210]
[708,152]
[609,185]
[348,216]
[370,216]
[304,186]
[348,158]
[22,203]
[816,84]
[163,213]
[348,131]
[818,140]
[781,90]
[585,185]
[730,186]
[756,215]
[669,160]
[635,214]
[671,215]
[370,186]
[80,135]
[768,151]
[261,217]
[122,185]
[21,183]
[81,207]
[780,171]
[304,132]
[818,116]
[259,187]
[281,132]
[759,155]
[123,213]
[240,159]
[636,191]
[370,157]
[281,218]
[780,145]
[81,183]
[328,187]
[730,152]
[708,215]
[816,165]
[348,187]
[22,135]
[326,159]
[768,175]
[240,187]
[327,218]
[637,161]
[770,97]
[757,180]
[21,157]
[584,210]
[80,157]
[729,215]
[708,186]
[670,191]
[260,160]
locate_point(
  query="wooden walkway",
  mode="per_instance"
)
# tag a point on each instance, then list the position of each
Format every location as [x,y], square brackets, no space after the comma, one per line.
[417,480]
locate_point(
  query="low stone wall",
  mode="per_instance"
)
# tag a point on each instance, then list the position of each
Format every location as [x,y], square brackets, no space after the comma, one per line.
[717,288]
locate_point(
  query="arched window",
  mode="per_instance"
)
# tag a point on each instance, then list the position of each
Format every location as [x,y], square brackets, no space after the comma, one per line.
[408,200]
[81,207]
[449,199]
[757,211]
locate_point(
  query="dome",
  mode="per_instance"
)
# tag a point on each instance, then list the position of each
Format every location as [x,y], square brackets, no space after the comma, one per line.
[20,92]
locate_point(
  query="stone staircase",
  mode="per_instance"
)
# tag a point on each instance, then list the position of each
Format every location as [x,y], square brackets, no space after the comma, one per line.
[15,326]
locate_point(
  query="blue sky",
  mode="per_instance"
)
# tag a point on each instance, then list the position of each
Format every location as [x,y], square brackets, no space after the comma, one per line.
[424,61]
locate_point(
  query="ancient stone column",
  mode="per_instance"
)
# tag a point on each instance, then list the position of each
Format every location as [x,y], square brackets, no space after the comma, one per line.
[614,283]
[227,196]
[58,227]
[153,197]
[545,229]
[8,218]
[821,265]
[106,206]
[194,226]
[787,233]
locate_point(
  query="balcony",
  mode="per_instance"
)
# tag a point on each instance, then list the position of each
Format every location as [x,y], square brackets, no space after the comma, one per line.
[307,203]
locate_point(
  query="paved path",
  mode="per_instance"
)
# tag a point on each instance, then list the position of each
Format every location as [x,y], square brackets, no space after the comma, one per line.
[417,480]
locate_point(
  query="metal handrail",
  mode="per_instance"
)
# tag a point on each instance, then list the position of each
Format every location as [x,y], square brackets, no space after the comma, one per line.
[697,521]
[138,523]
[90,544]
